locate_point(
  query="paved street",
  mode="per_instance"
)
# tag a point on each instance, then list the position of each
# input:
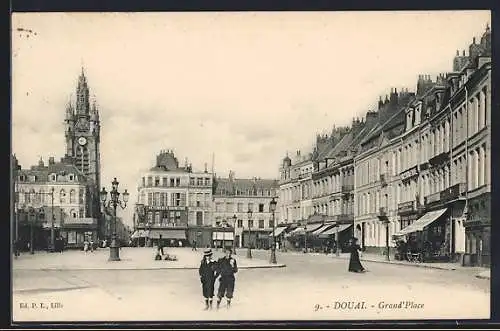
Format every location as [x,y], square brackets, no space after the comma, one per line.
[306,289]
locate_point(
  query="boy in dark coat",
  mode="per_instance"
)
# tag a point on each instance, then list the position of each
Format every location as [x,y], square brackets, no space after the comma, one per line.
[226,268]
[207,276]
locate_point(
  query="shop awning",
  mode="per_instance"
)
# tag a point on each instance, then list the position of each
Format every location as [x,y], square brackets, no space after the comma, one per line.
[322,228]
[313,227]
[168,234]
[222,236]
[333,230]
[278,231]
[135,235]
[422,222]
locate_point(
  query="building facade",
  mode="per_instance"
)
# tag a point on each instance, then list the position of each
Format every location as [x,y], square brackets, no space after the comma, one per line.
[420,169]
[173,200]
[56,192]
[233,199]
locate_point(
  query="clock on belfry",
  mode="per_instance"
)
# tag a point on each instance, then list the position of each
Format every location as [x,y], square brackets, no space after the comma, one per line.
[82,141]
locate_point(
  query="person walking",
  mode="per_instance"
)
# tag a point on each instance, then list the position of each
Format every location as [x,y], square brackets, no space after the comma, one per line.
[160,246]
[226,268]
[354,262]
[193,247]
[207,272]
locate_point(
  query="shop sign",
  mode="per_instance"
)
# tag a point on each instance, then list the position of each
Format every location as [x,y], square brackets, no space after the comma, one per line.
[409,173]
[168,208]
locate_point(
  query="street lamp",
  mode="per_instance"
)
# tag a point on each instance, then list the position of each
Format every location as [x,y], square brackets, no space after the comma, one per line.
[272,208]
[234,234]
[114,248]
[249,248]
[337,241]
[387,257]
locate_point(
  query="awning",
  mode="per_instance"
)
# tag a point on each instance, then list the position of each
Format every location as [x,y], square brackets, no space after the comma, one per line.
[322,228]
[139,234]
[313,227]
[278,231]
[168,234]
[222,236]
[298,231]
[422,222]
[333,230]
[135,235]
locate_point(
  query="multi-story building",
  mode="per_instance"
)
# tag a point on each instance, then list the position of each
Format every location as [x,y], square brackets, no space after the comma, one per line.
[235,197]
[295,188]
[375,216]
[56,192]
[174,202]
[440,170]
[75,180]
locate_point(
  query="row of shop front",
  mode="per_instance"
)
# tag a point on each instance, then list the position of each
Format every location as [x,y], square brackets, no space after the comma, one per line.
[313,237]
[445,228]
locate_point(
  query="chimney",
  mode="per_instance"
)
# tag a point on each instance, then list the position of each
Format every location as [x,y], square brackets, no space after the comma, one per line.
[371,117]
[206,169]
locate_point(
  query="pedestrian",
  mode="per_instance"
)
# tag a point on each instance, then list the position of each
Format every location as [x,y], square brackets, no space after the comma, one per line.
[85,246]
[207,272]
[160,246]
[226,268]
[92,245]
[354,263]
[194,246]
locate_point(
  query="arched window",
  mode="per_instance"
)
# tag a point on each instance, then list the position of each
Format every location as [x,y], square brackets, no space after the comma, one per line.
[62,196]
[72,196]
[73,213]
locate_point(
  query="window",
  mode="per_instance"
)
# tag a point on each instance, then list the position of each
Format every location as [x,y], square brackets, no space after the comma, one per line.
[177,182]
[271,223]
[150,181]
[156,200]
[261,224]
[199,218]
[70,177]
[207,181]
[261,207]
[250,223]
[81,193]
[162,199]
[240,207]
[240,223]
[250,206]
[157,181]
[199,181]
[150,199]
[82,213]
[191,181]
[172,181]
[73,213]
[62,196]
[72,197]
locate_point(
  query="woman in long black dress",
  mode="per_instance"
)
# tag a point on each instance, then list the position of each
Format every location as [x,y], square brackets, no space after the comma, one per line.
[207,273]
[354,263]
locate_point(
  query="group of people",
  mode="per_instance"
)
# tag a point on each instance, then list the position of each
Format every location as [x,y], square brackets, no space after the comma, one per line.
[224,268]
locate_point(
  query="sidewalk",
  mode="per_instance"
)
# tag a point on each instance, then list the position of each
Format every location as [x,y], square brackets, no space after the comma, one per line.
[132,258]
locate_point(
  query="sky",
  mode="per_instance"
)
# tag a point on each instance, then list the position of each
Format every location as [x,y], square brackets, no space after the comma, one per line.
[244,87]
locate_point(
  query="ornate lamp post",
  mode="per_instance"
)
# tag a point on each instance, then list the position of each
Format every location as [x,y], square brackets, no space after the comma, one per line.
[272,208]
[234,234]
[249,248]
[114,248]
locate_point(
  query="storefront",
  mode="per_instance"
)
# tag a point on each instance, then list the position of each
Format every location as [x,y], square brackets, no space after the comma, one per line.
[202,235]
[428,237]
[478,232]
[222,239]
[169,237]
[345,233]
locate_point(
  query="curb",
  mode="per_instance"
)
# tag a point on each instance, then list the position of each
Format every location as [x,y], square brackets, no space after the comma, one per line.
[155,268]
[417,265]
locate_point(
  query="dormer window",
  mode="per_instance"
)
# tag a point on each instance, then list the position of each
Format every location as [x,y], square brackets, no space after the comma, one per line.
[71,177]
[53,177]
[22,178]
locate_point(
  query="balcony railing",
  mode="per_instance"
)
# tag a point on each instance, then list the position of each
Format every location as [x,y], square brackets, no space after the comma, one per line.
[406,207]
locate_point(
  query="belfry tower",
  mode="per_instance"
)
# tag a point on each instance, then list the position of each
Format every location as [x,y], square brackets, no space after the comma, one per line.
[82,135]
